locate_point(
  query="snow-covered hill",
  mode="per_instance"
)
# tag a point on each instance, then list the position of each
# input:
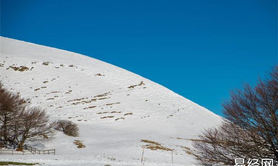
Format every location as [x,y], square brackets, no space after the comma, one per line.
[118,112]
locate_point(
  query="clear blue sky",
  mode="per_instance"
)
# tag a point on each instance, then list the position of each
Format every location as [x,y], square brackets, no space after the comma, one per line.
[201,49]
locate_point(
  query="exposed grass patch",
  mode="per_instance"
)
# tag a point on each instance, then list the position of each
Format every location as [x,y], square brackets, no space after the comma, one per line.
[129,113]
[45,63]
[121,118]
[102,95]
[103,98]
[99,74]
[187,150]
[83,100]
[115,112]
[20,68]
[90,107]
[152,145]
[68,92]
[37,89]
[78,99]
[102,112]
[15,163]
[113,103]
[133,86]
[79,144]
[105,117]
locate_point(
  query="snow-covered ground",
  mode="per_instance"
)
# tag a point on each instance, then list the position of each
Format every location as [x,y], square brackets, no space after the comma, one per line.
[114,109]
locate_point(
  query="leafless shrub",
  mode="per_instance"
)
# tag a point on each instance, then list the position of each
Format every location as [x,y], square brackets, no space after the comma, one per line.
[67,127]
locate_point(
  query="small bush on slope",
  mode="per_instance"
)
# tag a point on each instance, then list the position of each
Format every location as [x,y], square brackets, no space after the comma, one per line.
[67,127]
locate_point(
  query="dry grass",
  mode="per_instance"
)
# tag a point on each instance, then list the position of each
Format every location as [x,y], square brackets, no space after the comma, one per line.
[78,99]
[102,95]
[103,98]
[102,112]
[133,86]
[83,100]
[45,63]
[37,89]
[79,144]
[187,150]
[129,113]
[20,68]
[68,92]
[99,74]
[121,118]
[152,145]
[114,112]
[105,117]
[181,138]
[93,106]
[113,103]
[15,163]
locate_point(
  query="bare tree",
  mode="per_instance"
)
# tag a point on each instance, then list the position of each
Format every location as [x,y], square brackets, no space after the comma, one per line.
[18,122]
[10,105]
[251,129]
[34,123]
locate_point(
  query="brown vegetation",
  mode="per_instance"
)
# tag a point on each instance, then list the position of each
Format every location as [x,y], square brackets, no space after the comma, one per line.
[133,86]
[251,129]
[79,144]
[152,145]
[45,63]
[20,68]
[18,122]
[67,127]
[105,117]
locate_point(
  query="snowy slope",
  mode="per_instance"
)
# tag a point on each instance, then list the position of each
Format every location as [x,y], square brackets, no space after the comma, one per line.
[114,108]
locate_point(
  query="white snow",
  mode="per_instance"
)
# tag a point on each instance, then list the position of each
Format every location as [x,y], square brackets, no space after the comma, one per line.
[112,124]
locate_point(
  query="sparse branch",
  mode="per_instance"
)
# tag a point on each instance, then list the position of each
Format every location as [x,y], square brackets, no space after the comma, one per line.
[251,129]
